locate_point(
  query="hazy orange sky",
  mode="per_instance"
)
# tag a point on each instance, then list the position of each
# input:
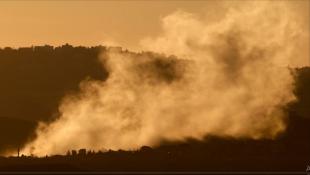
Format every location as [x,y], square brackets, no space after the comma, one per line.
[26,23]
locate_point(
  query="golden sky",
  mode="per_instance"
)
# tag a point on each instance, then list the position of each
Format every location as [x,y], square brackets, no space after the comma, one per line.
[26,23]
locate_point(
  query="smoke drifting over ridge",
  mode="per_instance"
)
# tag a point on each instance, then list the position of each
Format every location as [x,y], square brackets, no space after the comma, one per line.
[232,81]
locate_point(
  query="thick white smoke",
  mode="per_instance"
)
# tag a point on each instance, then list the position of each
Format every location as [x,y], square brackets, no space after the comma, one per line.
[232,81]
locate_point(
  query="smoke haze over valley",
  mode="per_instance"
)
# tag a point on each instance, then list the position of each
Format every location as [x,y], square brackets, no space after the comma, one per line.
[154,86]
[229,78]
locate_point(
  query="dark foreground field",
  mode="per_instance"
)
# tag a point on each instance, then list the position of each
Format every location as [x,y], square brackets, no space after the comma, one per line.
[290,152]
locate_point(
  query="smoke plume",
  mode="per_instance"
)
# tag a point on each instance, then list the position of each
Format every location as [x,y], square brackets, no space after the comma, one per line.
[228,78]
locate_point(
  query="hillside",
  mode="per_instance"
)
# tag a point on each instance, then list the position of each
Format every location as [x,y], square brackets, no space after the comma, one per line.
[35,79]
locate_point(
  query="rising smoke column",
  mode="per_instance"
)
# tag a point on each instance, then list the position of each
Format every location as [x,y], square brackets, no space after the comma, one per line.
[230,80]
